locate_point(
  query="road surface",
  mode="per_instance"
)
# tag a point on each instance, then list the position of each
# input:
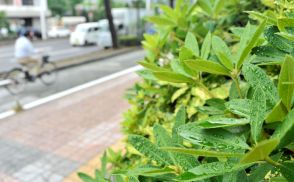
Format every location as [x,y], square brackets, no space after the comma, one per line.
[58,49]
[71,77]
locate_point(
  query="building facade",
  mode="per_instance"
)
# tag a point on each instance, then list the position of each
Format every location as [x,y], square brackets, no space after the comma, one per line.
[25,13]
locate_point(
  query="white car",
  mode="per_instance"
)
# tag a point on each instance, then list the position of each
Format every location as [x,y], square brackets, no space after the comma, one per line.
[85,33]
[58,32]
[104,37]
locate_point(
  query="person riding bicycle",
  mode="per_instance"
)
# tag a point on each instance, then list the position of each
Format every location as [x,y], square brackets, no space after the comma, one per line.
[24,52]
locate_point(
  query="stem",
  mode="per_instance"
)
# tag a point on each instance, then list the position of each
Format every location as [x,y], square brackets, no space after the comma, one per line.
[178,40]
[272,162]
[236,80]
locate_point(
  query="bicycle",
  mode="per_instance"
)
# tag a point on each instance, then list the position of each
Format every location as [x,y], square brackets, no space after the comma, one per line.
[18,77]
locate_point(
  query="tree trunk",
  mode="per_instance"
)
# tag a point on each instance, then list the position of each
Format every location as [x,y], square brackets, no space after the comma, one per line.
[111,24]
[171,3]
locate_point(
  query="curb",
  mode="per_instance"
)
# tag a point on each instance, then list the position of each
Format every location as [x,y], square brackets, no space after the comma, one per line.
[93,56]
[88,58]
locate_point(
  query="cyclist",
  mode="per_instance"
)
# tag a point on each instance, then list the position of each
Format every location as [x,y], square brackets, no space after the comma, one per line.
[24,52]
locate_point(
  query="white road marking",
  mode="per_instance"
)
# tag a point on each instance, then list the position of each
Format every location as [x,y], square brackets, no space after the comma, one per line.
[72,91]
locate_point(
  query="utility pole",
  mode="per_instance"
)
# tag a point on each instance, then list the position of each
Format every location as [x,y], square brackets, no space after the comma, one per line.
[43,8]
[111,24]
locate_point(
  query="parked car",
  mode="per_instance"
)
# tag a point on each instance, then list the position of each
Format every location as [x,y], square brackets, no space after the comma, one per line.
[104,36]
[84,34]
[58,32]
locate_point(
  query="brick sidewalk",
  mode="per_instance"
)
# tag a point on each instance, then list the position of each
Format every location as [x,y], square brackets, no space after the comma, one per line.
[52,141]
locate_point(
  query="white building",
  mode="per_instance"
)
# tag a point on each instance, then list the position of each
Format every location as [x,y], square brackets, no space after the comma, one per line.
[25,12]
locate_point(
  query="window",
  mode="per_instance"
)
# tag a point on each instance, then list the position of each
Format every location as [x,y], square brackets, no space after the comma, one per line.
[6,2]
[28,2]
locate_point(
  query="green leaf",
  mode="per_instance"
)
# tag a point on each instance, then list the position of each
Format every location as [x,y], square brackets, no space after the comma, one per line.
[257,113]
[220,122]
[209,170]
[278,113]
[148,149]
[286,35]
[206,46]
[104,163]
[207,66]
[249,40]
[236,176]
[213,138]
[267,54]
[223,52]
[86,178]
[256,77]
[285,22]
[172,77]
[161,21]
[261,151]
[163,139]
[149,171]
[168,11]
[146,74]
[261,170]
[286,75]
[218,5]
[180,120]
[276,40]
[262,17]
[151,66]
[199,152]
[181,68]
[240,107]
[131,179]
[285,131]
[206,6]
[192,44]
[185,53]
[287,170]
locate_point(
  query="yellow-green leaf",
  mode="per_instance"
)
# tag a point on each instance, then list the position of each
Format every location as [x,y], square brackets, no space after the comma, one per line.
[192,44]
[150,66]
[286,75]
[260,151]
[223,52]
[206,46]
[285,131]
[207,66]
[278,113]
[162,21]
[250,43]
[172,77]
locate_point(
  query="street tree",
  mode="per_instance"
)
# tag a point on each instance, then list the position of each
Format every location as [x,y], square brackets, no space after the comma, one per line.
[107,5]
[171,3]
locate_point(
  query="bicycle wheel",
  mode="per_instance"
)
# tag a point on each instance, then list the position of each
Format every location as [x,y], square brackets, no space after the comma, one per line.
[48,73]
[17,81]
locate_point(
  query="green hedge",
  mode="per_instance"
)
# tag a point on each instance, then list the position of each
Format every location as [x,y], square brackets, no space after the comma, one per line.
[216,98]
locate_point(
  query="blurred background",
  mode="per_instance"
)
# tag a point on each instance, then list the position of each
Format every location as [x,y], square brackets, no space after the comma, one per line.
[81,38]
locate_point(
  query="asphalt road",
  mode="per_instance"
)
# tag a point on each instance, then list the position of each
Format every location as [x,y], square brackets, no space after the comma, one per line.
[57,49]
[71,77]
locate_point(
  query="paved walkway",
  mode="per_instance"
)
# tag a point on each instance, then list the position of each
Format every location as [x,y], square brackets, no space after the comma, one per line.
[50,142]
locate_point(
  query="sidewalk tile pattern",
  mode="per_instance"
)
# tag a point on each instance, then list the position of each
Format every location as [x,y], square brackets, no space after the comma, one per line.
[48,143]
